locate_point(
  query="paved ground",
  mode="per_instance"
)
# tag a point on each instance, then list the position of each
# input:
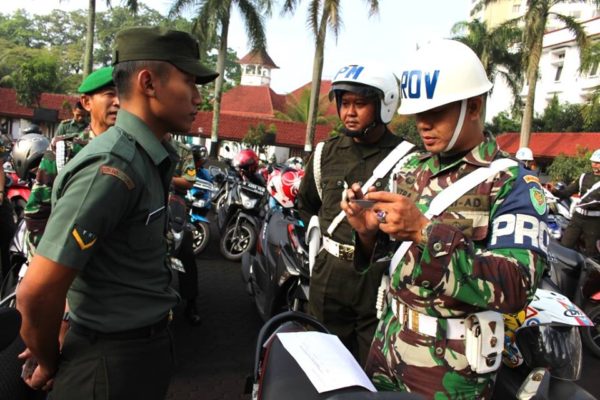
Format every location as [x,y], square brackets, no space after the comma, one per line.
[216,357]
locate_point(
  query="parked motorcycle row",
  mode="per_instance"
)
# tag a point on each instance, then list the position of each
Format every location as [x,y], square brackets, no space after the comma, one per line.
[259,226]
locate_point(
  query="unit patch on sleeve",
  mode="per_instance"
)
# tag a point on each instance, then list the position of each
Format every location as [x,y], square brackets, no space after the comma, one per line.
[117,173]
[538,200]
[85,239]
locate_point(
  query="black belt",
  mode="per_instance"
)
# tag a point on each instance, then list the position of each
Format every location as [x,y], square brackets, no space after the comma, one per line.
[137,333]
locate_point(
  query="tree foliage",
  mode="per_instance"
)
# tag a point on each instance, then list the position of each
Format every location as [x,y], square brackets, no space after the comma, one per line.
[568,168]
[502,123]
[32,78]
[298,109]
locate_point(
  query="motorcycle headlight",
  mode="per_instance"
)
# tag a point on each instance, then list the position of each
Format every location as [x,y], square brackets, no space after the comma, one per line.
[557,348]
[247,201]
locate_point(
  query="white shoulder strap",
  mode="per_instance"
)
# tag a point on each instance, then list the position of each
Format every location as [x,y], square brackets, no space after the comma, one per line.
[594,187]
[451,194]
[317,167]
[379,172]
[581,181]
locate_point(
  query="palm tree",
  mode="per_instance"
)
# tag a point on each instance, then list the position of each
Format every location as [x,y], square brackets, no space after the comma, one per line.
[535,19]
[322,14]
[88,61]
[213,15]
[297,109]
[497,48]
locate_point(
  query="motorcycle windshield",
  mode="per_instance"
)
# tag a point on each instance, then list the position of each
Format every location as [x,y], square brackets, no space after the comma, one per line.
[557,348]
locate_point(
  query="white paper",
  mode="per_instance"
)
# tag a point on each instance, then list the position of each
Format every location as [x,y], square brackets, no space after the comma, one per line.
[325,360]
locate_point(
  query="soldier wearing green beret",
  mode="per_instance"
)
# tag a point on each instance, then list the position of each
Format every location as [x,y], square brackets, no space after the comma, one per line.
[99,98]
[104,247]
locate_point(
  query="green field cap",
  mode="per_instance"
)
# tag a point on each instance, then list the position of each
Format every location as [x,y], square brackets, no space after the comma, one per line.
[159,44]
[96,80]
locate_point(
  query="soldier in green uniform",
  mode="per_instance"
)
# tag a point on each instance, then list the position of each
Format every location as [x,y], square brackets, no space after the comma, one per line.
[484,251]
[104,248]
[340,297]
[75,124]
[99,98]
[183,180]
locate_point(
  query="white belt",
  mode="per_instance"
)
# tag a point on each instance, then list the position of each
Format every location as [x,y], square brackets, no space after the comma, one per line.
[587,213]
[339,250]
[426,324]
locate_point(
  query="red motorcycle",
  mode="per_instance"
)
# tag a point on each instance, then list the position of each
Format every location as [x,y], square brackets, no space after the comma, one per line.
[17,192]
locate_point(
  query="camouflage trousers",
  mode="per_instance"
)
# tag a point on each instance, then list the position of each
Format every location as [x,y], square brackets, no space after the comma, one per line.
[436,367]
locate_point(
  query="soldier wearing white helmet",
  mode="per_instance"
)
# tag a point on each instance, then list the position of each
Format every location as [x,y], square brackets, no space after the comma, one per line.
[586,216]
[343,299]
[526,155]
[455,220]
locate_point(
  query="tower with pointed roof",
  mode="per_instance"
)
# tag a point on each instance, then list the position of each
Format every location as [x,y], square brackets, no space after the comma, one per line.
[256,68]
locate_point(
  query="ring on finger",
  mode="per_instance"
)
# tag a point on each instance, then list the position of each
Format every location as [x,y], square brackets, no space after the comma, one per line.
[381,216]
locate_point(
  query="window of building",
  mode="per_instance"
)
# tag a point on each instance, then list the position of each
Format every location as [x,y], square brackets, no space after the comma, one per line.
[594,69]
[251,69]
[516,8]
[559,69]
[558,59]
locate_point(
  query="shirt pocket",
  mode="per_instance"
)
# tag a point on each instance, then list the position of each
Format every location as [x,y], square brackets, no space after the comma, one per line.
[333,188]
[150,233]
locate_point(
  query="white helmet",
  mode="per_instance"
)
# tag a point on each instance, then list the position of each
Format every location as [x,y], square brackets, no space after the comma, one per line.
[595,156]
[362,79]
[442,72]
[524,154]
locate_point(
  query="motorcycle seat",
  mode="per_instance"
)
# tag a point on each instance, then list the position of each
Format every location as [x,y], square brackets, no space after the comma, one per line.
[567,256]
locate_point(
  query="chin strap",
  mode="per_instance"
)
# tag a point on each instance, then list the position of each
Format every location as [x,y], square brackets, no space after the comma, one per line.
[362,133]
[459,125]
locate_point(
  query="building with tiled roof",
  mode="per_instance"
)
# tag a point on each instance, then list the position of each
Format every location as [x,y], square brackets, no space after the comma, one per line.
[252,101]
[53,108]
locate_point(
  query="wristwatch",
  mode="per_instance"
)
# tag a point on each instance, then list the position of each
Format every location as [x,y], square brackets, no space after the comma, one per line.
[425,233]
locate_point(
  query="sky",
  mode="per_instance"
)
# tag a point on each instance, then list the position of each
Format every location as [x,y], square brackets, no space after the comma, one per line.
[381,39]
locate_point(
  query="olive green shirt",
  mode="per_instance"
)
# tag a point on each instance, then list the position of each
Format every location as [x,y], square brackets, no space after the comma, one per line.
[108,221]
[69,126]
[343,162]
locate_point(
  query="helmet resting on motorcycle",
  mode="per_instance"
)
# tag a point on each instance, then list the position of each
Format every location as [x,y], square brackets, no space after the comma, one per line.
[27,153]
[199,152]
[246,160]
[33,128]
[283,185]
[524,154]
[369,81]
[295,162]
[439,73]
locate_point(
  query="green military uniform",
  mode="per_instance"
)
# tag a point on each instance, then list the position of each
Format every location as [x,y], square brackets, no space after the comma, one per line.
[471,262]
[586,217]
[38,205]
[108,221]
[70,126]
[340,297]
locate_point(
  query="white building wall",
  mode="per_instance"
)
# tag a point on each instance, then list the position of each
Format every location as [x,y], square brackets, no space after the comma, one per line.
[561,52]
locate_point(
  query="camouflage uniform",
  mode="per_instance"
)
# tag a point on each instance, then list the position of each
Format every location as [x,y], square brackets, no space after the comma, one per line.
[38,206]
[466,266]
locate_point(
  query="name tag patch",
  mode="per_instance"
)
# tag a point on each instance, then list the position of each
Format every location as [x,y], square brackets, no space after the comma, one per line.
[117,173]
[471,202]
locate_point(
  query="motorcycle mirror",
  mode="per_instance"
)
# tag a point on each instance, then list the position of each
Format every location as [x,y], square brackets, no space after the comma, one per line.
[536,385]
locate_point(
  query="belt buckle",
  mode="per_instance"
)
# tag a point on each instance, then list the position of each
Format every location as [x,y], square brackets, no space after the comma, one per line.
[415,320]
[346,252]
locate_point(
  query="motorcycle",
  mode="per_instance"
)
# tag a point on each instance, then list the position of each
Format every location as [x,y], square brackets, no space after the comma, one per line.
[578,278]
[18,255]
[559,214]
[239,218]
[178,225]
[199,201]
[542,350]
[276,271]
[17,192]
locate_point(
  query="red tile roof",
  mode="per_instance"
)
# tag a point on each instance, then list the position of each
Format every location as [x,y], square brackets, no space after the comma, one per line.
[258,101]
[235,127]
[11,108]
[323,94]
[258,57]
[552,144]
